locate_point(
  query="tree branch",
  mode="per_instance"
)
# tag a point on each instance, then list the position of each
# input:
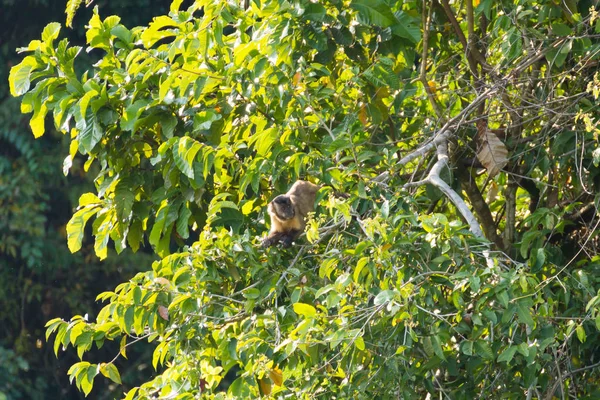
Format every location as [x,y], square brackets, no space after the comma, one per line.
[510,196]
[439,138]
[442,134]
[434,179]
[423,76]
[472,54]
[480,206]
[558,382]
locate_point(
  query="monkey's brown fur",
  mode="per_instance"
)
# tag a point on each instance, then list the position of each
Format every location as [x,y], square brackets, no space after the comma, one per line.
[288,213]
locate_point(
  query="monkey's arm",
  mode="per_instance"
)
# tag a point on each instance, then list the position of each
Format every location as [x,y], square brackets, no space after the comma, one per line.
[286,238]
[273,238]
[289,237]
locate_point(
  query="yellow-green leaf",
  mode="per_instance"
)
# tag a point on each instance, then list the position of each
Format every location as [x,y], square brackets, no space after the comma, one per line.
[37,121]
[19,79]
[76,227]
[111,372]
[305,309]
[51,32]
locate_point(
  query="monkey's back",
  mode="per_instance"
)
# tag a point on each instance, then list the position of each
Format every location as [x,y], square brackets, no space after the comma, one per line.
[303,195]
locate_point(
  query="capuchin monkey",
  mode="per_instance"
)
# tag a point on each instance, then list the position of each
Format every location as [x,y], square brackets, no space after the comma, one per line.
[288,213]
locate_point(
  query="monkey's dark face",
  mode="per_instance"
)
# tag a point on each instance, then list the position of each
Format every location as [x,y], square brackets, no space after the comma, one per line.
[283,207]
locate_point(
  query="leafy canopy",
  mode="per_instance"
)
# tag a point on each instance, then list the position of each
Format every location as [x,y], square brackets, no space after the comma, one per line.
[416,283]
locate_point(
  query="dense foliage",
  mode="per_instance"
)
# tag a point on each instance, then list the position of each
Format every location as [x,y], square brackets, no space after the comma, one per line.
[464,261]
[39,278]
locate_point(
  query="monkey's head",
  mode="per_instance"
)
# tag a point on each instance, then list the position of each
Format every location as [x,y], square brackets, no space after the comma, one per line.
[282,207]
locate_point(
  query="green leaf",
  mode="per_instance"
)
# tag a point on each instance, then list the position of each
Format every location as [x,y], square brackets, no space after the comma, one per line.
[437,347]
[556,57]
[50,32]
[374,12]
[60,335]
[523,349]
[484,350]
[528,238]
[175,5]
[53,325]
[83,372]
[76,227]
[360,265]
[406,28]
[305,310]
[524,313]
[102,227]
[111,372]
[132,392]
[82,339]
[88,198]
[503,298]
[132,114]
[85,100]
[384,297]
[122,33]
[486,7]
[87,380]
[251,294]
[135,235]
[185,154]
[180,299]
[159,223]
[165,86]
[428,346]
[580,330]
[71,8]
[540,259]
[315,12]
[561,29]
[124,198]
[128,318]
[37,121]
[182,221]
[90,135]
[507,354]
[154,31]
[168,124]
[359,343]
[19,78]
[265,140]
[204,119]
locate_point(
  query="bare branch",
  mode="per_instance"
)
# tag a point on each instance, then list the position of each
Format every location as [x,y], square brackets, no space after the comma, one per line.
[459,203]
[439,138]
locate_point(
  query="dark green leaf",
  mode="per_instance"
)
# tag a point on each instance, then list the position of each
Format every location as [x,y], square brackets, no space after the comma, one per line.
[508,354]
[561,29]
[524,313]
[124,198]
[374,12]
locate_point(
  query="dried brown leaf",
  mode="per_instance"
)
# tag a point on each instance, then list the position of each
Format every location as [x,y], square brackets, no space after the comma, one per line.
[163,312]
[492,153]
